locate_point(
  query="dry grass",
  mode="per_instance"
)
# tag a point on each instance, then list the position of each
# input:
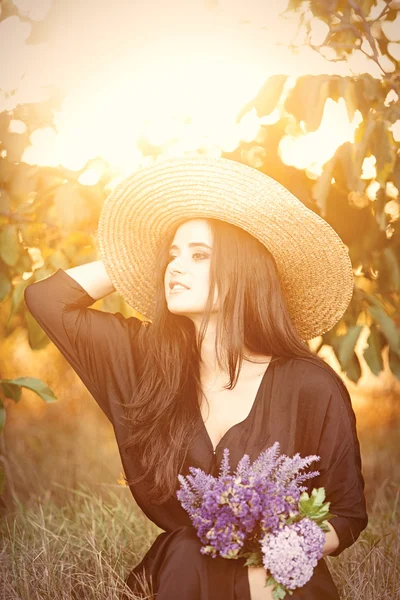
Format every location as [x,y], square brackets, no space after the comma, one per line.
[80,549]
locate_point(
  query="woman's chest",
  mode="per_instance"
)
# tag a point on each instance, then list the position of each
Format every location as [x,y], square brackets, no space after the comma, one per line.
[222,409]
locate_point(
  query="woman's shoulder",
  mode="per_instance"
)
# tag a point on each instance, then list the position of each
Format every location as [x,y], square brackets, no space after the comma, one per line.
[312,375]
[317,393]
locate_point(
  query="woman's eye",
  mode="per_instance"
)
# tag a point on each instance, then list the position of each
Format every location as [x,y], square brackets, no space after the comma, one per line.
[170,258]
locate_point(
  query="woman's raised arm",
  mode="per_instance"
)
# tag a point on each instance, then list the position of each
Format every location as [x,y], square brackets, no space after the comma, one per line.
[99,345]
[94,279]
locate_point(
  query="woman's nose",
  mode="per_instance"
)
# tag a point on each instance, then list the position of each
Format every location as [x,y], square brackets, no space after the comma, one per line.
[176,266]
[177,269]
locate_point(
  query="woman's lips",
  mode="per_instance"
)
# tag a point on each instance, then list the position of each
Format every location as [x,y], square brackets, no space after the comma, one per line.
[178,290]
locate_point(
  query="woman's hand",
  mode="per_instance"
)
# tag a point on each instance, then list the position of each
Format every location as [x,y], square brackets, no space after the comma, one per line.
[258,575]
[257,579]
[331,540]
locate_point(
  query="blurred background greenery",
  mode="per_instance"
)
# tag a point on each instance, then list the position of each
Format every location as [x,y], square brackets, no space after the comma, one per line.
[306,92]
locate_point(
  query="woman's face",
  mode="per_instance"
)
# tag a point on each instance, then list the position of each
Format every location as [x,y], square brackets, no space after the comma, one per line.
[189,264]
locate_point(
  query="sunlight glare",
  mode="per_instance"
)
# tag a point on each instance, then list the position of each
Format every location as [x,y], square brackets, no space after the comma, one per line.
[368,167]
[193,107]
[33,9]
[92,175]
[183,102]
[313,150]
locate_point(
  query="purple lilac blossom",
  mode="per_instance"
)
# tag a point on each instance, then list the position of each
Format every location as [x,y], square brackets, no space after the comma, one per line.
[291,553]
[229,510]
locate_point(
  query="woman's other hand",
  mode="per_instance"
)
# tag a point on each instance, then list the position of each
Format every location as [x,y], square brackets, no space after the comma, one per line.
[94,279]
[257,579]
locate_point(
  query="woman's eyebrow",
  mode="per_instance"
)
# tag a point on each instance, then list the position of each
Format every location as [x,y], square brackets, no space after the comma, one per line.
[191,245]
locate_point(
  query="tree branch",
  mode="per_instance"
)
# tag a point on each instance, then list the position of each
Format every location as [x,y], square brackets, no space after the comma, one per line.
[363,32]
[367,30]
[383,13]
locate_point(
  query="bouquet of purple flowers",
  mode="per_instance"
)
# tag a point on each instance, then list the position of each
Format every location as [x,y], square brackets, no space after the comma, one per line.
[260,512]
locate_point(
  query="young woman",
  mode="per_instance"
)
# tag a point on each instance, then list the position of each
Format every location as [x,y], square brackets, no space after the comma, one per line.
[232,275]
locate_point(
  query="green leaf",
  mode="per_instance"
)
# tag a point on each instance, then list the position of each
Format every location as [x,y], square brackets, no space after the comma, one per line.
[306,502]
[17,297]
[344,40]
[351,166]
[34,384]
[33,233]
[381,217]
[23,185]
[5,204]
[5,286]
[353,370]
[278,591]
[314,506]
[348,91]
[71,208]
[347,345]
[366,6]
[372,88]
[353,367]
[387,326]
[394,363]
[267,97]
[41,273]
[361,149]
[292,5]
[15,144]
[59,261]
[253,559]
[306,101]
[391,15]
[373,352]
[270,580]
[383,43]
[396,173]
[10,391]
[9,245]
[391,268]
[324,524]
[2,416]
[37,337]
[384,150]
[318,496]
[322,187]
[24,264]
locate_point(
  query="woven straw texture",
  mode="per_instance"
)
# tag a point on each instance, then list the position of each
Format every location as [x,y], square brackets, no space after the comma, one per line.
[313,262]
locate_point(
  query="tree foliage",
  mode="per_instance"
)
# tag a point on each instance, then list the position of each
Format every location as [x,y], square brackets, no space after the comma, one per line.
[48,219]
[368,224]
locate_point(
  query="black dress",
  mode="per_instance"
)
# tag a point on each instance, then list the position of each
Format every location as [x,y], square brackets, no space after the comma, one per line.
[299,403]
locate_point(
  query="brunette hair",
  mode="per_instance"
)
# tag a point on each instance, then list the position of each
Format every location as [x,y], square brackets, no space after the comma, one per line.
[253,313]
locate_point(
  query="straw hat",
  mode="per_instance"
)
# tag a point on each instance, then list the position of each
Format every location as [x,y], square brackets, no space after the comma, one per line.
[313,263]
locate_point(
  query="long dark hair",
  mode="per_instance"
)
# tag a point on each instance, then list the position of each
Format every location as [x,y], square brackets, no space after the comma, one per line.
[252,313]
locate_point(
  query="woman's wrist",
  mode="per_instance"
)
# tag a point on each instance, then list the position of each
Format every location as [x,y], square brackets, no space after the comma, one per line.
[257,578]
[331,541]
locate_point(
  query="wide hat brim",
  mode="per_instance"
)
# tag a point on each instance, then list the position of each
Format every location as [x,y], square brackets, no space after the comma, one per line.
[313,263]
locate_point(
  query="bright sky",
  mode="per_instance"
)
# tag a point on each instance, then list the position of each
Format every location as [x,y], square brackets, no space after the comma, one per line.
[139,69]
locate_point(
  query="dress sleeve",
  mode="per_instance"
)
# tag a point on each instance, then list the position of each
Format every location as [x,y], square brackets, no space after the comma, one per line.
[100,346]
[329,430]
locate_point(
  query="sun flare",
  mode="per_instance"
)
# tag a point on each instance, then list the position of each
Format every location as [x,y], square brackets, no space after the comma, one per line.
[181,95]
